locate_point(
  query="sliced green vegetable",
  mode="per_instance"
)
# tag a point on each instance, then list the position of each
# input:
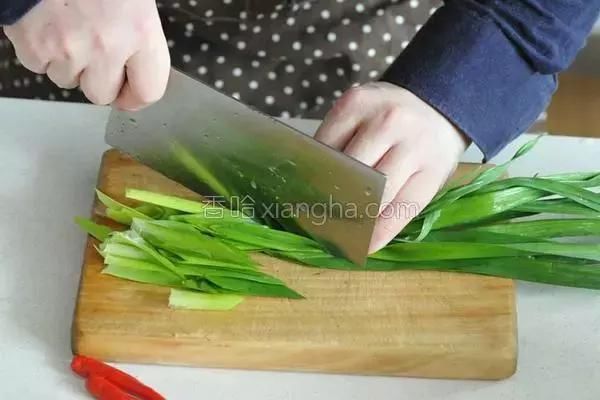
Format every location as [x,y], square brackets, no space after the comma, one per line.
[120,216]
[208,287]
[176,236]
[166,201]
[192,300]
[243,246]
[100,232]
[123,214]
[145,265]
[265,237]
[184,257]
[111,248]
[191,270]
[209,272]
[248,287]
[157,212]
[142,275]
[134,239]
[213,216]
[202,250]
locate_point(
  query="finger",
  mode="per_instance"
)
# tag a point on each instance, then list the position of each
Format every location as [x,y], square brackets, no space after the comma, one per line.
[64,73]
[31,61]
[28,55]
[102,85]
[371,141]
[398,164]
[337,129]
[147,73]
[68,59]
[410,200]
[344,118]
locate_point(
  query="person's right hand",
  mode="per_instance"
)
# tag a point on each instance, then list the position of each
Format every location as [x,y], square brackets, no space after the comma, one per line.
[114,50]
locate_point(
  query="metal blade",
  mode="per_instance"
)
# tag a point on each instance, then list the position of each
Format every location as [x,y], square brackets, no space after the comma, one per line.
[217,146]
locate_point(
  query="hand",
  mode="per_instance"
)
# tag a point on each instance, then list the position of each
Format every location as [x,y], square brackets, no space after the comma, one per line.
[114,50]
[389,128]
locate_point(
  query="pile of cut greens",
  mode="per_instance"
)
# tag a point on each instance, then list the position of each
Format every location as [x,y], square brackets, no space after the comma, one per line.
[483,226]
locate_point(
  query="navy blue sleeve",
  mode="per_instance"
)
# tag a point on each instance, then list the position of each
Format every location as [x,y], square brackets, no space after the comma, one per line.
[12,10]
[490,65]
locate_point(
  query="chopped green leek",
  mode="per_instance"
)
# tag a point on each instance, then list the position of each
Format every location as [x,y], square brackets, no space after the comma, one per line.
[117,211]
[203,251]
[192,300]
[100,232]
[175,203]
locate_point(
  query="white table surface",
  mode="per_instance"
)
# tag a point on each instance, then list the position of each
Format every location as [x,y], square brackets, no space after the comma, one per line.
[49,158]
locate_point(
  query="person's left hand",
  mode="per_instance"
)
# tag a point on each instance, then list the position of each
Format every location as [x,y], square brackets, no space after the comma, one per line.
[389,128]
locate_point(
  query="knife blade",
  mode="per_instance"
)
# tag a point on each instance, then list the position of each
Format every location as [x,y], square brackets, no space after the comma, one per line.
[241,158]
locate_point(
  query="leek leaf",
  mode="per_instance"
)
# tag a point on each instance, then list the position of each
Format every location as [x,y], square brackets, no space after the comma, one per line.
[143,276]
[166,201]
[428,222]
[558,206]
[213,215]
[484,178]
[184,257]
[545,228]
[424,251]
[254,288]
[191,270]
[120,216]
[579,195]
[132,238]
[100,232]
[573,250]
[121,211]
[265,237]
[477,207]
[209,271]
[111,248]
[475,235]
[552,272]
[145,265]
[176,236]
[192,300]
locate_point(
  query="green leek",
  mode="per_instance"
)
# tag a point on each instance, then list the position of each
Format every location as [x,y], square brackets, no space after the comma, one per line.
[203,251]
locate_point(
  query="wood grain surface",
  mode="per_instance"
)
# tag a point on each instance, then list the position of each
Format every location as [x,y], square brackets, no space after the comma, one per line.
[406,323]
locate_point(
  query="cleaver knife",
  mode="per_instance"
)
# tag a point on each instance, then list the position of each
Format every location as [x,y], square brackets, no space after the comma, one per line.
[242,159]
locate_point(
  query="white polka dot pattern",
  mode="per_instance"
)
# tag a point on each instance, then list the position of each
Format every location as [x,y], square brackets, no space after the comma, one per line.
[286,57]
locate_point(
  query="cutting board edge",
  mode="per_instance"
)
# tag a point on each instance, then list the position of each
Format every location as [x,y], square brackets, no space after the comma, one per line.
[84,258]
[503,367]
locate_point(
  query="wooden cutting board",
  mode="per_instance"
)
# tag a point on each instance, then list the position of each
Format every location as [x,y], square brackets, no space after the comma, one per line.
[405,323]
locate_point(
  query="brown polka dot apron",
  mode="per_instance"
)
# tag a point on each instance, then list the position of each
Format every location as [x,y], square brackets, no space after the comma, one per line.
[286,58]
